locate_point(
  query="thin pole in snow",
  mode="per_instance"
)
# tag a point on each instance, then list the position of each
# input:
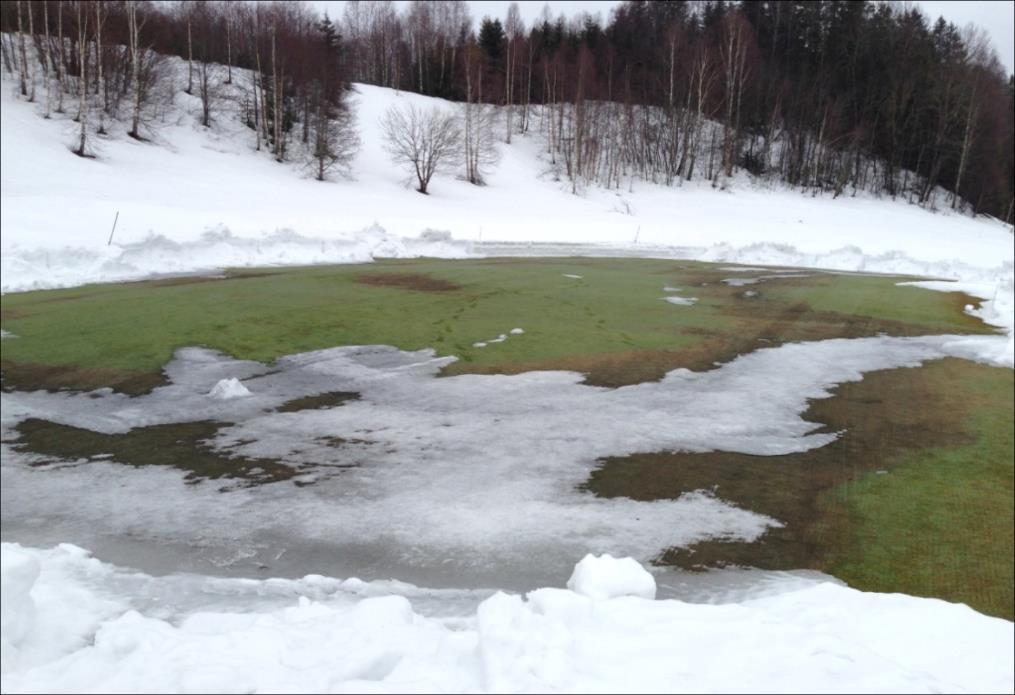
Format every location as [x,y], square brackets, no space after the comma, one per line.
[110,242]
[636,234]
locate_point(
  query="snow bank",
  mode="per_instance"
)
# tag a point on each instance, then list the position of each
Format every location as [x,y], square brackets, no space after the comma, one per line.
[227,389]
[354,638]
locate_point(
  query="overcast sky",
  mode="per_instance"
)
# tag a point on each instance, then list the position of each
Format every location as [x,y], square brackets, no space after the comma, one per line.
[998,17]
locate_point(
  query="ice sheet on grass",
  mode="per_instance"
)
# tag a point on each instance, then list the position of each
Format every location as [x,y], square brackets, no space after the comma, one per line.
[122,631]
[465,471]
[997,309]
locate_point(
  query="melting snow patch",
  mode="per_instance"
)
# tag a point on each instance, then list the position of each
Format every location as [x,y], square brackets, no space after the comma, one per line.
[6,334]
[671,289]
[750,293]
[740,282]
[226,389]
[573,277]
[680,301]
[472,472]
[516,331]
[479,345]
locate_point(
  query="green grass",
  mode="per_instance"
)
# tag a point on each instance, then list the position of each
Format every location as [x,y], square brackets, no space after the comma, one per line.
[940,522]
[613,310]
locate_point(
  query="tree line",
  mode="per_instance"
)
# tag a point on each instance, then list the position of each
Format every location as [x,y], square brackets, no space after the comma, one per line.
[828,96]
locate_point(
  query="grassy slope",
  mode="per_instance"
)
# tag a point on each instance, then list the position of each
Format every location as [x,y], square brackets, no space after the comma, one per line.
[614,309]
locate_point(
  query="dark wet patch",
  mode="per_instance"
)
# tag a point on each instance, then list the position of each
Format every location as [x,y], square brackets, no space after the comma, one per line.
[878,422]
[20,376]
[323,400]
[183,446]
[408,281]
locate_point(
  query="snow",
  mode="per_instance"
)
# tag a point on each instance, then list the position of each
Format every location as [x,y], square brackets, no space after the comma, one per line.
[129,632]
[573,277]
[227,389]
[680,301]
[517,331]
[606,577]
[177,215]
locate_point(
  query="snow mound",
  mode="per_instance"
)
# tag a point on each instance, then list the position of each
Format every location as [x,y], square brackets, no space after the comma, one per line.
[605,577]
[359,637]
[227,389]
[517,331]
[17,610]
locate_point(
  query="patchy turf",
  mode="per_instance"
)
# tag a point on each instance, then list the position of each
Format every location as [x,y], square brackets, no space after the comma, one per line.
[915,496]
[416,282]
[323,400]
[180,446]
[610,324]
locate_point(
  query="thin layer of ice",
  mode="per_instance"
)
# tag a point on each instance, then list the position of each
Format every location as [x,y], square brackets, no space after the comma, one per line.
[473,472]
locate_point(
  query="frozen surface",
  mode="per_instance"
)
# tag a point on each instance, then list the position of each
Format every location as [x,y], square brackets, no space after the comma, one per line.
[475,476]
[123,631]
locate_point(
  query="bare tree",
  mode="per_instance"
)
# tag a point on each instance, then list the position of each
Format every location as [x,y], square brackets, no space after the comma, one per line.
[422,140]
[81,150]
[335,139]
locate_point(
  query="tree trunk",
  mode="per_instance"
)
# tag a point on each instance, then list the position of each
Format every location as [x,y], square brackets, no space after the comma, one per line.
[100,83]
[82,80]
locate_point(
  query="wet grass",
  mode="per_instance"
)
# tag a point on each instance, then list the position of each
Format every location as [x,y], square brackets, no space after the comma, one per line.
[915,496]
[609,324]
[323,400]
[182,446]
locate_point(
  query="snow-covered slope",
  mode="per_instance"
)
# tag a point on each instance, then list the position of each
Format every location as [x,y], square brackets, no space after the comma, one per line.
[196,199]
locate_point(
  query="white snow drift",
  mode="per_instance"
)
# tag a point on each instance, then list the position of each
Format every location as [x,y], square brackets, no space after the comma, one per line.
[72,623]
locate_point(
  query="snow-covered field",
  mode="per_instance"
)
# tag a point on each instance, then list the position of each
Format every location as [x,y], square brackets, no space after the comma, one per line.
[196,200]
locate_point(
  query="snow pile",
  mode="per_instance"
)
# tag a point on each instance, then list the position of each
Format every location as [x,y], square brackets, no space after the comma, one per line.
[128,632]
[227,389]
[606,577]
[42,268]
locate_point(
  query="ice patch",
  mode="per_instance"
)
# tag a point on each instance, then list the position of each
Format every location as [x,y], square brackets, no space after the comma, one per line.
[680,301]
[227,389]
[473,472]
[606,577]
[740,282]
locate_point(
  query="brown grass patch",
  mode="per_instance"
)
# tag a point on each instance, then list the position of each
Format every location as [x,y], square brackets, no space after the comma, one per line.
[22,376]
[408,281]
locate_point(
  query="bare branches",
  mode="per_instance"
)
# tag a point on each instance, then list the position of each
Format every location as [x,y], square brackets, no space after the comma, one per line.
[423,140]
